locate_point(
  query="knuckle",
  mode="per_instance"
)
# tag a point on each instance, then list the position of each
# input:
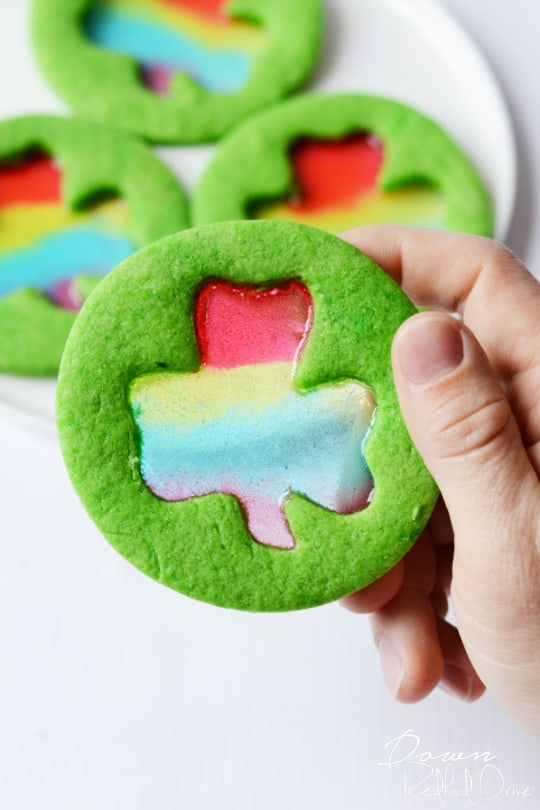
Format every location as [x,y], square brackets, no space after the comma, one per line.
[498,264]
[502,258]
[465,431]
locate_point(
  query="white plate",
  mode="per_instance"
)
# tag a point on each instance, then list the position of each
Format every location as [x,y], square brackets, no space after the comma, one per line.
[409,50]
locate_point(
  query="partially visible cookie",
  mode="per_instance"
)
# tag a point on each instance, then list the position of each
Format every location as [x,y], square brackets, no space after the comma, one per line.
[227,413]
[76,198]
[176,71]
[340,161]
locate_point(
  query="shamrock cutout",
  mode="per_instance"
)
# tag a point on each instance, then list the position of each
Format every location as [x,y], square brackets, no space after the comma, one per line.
[239,426]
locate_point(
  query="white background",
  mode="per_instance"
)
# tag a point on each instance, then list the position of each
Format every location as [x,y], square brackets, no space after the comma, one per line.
[118,694]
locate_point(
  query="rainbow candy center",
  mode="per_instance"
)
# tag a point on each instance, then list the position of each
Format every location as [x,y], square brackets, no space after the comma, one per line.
[239,425]
[45,246]
[337,188]
[177,36]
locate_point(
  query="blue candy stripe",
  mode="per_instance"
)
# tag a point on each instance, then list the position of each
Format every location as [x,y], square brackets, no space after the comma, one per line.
[63,255]
[298,443]
[151,43]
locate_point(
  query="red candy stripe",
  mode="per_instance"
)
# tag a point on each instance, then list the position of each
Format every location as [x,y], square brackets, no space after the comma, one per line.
[334,173]
[35,181]
[239,326]
[211,9]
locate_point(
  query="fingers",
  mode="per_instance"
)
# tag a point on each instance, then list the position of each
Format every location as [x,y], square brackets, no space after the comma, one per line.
[459,677]
[419,649]
[374,596]
[405,633]
[405,629]
[419,652]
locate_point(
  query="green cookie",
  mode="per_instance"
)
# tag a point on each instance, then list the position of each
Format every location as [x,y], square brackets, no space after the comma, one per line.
[51,171]
[173,72]
[139,328]
[443,188]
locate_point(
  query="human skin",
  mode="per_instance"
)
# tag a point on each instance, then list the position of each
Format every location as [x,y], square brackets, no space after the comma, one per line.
[469,393]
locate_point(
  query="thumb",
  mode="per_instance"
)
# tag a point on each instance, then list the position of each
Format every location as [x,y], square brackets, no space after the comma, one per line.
[462,424]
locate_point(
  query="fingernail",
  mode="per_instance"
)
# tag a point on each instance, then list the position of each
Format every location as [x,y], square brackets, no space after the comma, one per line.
[392,665]
[428,348]
[456,682]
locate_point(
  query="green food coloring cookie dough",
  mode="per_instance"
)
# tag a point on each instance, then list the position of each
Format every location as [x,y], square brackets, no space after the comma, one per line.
[144,335]
[75,199]
[415,173]
[175,71]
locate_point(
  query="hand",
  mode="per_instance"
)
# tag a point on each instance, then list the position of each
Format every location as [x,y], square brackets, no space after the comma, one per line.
[470,396]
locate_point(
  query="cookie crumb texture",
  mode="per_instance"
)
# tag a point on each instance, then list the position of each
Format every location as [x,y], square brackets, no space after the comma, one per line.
[144,363]
[176,71]
[76,199]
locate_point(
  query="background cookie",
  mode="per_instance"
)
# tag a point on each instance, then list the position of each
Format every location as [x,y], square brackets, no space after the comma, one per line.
[175,71]
[149,331]
[340,161]
[75,199]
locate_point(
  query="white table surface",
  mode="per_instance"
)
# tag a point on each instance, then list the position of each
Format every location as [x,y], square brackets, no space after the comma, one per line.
[118,694]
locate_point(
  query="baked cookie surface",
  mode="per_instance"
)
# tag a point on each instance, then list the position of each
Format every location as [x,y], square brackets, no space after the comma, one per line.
[227,414]
[175,71]
[75,200]
[339,161]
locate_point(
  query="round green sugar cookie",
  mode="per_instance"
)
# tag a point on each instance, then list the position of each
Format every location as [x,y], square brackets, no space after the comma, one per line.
[175,71]
[338,161]
[228,417]
[76,198]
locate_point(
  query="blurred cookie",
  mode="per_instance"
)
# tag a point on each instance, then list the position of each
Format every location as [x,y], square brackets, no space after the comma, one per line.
[340,161]
[175,71]
[75,200]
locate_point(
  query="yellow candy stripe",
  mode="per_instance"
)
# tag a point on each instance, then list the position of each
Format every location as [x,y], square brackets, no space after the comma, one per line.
[416,205]
[23,224]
